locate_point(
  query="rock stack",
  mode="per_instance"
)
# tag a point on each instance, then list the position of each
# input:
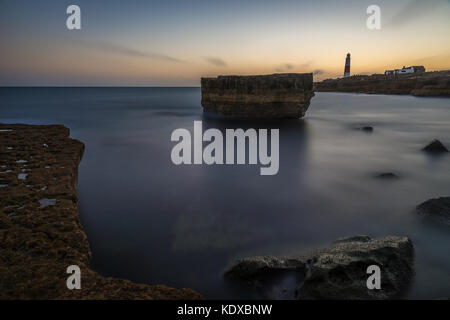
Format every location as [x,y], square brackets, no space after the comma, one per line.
[263,96]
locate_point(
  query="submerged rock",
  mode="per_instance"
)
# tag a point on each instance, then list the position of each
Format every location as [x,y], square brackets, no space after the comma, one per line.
[437,210]
[387,175]
[367,128]
[435,146]
[265,96]
[337,272]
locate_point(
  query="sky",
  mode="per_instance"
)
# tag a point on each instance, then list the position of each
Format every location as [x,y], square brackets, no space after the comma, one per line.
[175,43]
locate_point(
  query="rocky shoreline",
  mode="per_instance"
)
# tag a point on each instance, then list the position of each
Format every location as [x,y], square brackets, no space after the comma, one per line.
[40,230]
[41,235]
[417,84]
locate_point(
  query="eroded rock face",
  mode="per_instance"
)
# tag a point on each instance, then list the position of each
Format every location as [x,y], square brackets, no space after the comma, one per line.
[40,231]
[269,96]
[337,272]
[437,210]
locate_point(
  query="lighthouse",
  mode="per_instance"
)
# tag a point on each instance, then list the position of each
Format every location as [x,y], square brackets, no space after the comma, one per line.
[347,66]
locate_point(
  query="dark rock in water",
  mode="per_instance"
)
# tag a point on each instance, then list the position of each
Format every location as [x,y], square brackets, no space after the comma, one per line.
[437,210]
[337,272]
[366,128]
[387,175]
[266,96]
[435,146]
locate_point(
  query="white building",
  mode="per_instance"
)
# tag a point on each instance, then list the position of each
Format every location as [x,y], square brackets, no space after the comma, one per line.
[405,70]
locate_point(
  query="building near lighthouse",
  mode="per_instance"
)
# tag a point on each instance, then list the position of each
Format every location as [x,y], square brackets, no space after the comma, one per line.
[405,70]
[347,66]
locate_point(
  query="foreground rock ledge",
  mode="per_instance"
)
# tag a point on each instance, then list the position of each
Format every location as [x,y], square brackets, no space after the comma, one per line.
[264,96]
[40,231]
[337,272]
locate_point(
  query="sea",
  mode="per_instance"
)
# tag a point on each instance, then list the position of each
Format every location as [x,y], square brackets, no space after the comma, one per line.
[154,222]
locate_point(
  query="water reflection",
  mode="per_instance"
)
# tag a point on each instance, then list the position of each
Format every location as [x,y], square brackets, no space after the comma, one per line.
[230,198]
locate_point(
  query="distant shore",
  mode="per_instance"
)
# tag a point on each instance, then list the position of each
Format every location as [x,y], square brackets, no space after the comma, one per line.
[425,84]
[40,230]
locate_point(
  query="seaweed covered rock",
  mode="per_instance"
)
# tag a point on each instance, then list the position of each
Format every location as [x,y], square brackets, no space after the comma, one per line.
[40,230]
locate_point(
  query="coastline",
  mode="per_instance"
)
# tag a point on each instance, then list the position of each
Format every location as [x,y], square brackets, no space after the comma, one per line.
[427,84]
[39,224]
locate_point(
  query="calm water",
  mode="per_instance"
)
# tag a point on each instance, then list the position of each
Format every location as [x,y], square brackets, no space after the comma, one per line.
[151,221]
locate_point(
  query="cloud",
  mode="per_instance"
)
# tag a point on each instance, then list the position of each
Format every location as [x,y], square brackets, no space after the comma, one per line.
[216,61]
[118,49]
[318,72]
[306,64]
[284,67]
[414,9]
[443,56]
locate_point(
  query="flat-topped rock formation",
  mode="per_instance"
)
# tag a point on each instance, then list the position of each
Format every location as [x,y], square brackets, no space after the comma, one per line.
[337,272]
[40,231]
[417,84]
[263,96]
